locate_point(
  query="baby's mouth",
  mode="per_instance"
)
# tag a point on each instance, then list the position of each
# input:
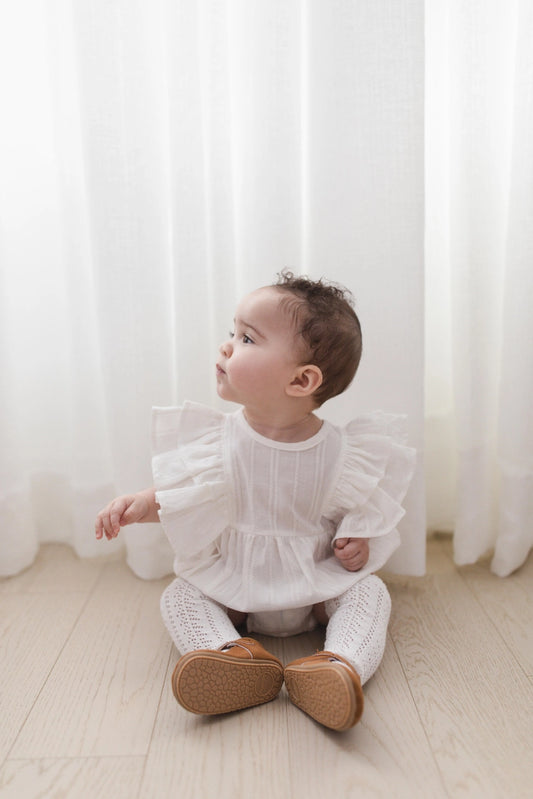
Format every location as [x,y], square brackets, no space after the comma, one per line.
[220,370]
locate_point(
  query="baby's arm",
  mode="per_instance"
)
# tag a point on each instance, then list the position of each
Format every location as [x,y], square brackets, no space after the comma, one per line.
[352,552]
[127,509]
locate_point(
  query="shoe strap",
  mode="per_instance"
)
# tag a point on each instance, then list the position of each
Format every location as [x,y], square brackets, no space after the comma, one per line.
[337,659]
[231,644]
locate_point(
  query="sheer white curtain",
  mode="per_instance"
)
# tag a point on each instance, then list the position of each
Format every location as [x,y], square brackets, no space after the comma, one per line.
[157,160]
[479,270]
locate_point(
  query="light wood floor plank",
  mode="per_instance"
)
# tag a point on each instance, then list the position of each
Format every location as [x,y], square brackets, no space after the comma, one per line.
[33,630]
[81,778]
[473,698]
[57,568]
[102,695]
[509,604]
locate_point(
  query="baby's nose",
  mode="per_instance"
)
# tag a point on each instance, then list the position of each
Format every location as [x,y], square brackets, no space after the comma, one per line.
[226,348]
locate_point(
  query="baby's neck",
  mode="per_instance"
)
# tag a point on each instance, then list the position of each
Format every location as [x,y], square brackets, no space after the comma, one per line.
[287,430]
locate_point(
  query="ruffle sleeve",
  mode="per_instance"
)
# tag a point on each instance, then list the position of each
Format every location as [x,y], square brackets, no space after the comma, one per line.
[375,471]
[189,477]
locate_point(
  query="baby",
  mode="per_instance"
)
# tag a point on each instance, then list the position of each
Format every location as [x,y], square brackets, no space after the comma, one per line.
[277,518]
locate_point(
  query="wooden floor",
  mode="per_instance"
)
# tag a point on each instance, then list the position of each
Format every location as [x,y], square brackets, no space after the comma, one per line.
[86,709]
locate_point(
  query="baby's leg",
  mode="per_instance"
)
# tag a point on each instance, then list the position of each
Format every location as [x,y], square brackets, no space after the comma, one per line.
[357,627]
[218,672]
[327,685]
[193,620]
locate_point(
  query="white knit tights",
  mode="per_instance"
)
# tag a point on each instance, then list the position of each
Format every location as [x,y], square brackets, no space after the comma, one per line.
[357,627]
[193,620]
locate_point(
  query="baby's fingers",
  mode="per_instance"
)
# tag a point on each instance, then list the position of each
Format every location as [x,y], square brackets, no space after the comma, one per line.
[98,528]
[340,543]
[103,526]
[108,521]
[114,519]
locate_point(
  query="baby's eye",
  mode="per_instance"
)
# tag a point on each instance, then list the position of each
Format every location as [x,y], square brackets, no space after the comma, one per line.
[246,339]
[231,334]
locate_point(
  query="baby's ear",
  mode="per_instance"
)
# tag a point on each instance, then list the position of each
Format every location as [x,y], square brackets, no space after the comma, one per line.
[306,381]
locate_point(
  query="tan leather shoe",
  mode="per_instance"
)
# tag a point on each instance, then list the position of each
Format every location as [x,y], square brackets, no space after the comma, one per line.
[327,688]
[240,674]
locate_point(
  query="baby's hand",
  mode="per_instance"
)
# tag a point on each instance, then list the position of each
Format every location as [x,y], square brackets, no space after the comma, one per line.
[123,510]
[352,552]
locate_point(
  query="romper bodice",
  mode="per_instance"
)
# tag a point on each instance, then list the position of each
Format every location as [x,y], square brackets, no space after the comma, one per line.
[252,521]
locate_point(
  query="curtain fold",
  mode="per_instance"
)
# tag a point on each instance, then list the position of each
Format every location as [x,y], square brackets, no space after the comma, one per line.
[158,160]
[515,445]
[479,204]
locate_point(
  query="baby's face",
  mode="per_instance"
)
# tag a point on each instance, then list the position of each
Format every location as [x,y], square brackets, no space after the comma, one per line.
[259,360]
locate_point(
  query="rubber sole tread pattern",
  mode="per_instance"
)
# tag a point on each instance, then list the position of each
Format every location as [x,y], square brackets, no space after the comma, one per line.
[211,683]
[326,693]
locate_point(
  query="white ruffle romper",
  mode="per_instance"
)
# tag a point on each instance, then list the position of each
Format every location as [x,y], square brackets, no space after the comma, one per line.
[252,521]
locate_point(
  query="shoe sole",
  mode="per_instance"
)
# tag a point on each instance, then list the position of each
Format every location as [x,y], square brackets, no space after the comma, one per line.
[210,683]
[327,693]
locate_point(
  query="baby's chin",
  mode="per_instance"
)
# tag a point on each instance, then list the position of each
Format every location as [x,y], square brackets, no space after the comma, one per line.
[224,391]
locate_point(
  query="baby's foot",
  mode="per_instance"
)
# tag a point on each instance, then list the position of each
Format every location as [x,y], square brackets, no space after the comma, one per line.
[240,674]
[327,688]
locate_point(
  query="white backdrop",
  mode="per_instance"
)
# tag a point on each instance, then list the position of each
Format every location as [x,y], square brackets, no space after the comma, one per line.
[158,159]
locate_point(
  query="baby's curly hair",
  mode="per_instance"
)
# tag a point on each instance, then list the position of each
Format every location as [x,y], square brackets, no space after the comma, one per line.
[323,315]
